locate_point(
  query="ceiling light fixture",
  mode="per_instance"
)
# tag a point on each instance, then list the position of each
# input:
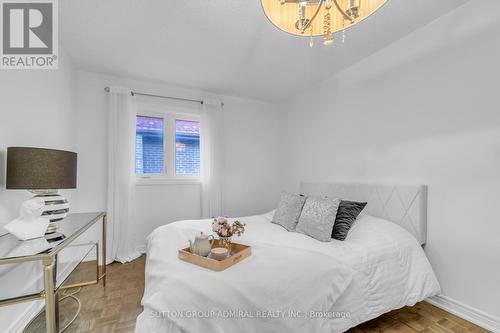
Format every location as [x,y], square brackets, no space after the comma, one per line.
[310,18]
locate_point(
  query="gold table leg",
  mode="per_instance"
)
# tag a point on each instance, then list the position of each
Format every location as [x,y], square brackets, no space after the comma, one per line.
[50,296]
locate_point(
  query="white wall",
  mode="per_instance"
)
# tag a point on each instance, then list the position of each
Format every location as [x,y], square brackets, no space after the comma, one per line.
[423,110]
[35,110]
[251,156]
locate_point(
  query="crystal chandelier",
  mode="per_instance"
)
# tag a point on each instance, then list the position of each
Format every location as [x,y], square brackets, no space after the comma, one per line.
[312,18]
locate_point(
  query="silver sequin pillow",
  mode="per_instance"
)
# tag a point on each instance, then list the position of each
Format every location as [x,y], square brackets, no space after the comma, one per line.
[318,217]
[288,211]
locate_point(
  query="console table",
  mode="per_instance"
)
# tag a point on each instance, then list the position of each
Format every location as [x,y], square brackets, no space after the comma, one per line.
[55,271]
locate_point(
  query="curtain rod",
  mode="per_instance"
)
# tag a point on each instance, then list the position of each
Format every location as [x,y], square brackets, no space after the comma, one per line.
[166,97]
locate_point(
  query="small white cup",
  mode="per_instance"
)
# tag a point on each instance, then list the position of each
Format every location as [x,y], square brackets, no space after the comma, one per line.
[219,253]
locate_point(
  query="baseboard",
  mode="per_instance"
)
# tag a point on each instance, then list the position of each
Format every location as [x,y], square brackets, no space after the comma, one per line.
[466,312]
[91,256]
[141,248]
[32,309]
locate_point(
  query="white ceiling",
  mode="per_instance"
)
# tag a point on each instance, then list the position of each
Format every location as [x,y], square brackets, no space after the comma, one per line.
[223,46]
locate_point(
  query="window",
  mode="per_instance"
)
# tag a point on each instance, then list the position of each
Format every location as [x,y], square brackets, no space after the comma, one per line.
[167,146]
[187,147]
[149,150]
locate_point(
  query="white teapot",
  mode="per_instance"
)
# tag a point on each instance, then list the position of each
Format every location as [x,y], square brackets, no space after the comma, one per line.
[202,245]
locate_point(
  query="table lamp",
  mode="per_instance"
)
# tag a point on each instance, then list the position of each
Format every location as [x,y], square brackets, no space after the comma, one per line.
[43,172]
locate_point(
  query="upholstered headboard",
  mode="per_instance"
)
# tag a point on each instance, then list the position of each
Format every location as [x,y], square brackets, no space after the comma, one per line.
[405,205]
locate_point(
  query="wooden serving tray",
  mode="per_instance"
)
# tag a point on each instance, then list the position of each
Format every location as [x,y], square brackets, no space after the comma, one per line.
[238,253]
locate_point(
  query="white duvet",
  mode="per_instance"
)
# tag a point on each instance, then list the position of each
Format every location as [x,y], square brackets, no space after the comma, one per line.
[291,283]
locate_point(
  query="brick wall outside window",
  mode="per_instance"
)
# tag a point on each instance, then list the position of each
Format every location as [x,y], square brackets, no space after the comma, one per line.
[187,155]
[187,146]
[149,150]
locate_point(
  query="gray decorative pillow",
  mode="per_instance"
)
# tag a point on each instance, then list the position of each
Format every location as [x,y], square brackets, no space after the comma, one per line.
[318,217]
[288,211]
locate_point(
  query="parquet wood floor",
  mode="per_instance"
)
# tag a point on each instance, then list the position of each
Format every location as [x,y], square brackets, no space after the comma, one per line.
[115,308]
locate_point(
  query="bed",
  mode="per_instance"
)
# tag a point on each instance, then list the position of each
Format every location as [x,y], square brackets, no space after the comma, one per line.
[292,282]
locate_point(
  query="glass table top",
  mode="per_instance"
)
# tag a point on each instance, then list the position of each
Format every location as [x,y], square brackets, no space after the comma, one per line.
[72,227]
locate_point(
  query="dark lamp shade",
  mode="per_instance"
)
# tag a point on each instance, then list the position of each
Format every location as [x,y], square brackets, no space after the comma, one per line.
[40,169]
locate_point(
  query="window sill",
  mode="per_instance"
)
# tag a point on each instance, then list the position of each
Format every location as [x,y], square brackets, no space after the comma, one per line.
[145,181]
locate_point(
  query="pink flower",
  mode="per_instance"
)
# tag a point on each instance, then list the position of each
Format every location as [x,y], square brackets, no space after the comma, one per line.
[221,221]
[223,228]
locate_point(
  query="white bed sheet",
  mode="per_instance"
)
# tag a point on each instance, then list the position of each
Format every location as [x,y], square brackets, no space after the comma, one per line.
[390,269]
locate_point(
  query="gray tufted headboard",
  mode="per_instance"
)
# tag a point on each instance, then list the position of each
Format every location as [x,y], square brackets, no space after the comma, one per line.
[405,205]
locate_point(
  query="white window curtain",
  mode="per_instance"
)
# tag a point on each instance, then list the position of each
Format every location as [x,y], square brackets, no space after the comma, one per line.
[211,158]
[121,175]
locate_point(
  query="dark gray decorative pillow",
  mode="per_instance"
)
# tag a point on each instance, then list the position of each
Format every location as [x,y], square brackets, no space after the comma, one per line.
[318,217]
[288,211]
[346,215]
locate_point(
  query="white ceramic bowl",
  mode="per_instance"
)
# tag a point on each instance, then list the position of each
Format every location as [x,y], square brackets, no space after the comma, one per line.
[219,253]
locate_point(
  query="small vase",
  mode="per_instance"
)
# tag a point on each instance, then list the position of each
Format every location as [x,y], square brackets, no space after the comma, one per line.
[225,242]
